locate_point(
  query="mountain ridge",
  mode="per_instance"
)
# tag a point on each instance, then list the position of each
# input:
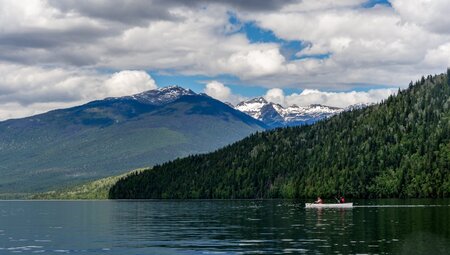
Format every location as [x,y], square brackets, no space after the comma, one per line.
[275,115]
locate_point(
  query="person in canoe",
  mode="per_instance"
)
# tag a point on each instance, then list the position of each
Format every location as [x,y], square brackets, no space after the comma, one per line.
[318,201]
[341,199]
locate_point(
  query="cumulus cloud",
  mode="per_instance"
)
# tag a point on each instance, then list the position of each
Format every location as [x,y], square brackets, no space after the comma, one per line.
[26,90]
[275,95]
[433,15]
[133,12]
[217,90]
[140,11]
[337,99]
[182,36]
[128,82]
[223,93]
[439,57]
[255,62]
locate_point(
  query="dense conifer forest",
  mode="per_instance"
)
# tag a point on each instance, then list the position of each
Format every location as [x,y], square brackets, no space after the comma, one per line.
[398,148]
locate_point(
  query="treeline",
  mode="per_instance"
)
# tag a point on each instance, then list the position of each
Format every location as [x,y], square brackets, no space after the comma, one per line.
[398,148]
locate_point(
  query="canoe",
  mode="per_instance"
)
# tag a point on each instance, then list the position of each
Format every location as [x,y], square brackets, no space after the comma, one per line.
[344,205]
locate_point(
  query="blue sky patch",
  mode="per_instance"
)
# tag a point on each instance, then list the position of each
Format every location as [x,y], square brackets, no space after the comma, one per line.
[186,81]
[372,3]
[317,56]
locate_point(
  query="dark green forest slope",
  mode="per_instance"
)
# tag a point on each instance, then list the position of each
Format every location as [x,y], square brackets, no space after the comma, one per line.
[399,148]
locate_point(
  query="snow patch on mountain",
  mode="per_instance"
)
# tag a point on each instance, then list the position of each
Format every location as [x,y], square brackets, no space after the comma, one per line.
[160,96]
[252,107]
[276,115]
[164,95]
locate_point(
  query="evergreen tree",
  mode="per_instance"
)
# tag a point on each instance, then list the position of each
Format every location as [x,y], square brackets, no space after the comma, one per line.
[448,75]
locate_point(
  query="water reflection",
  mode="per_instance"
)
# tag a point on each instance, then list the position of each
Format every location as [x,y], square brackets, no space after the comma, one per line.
[226,227]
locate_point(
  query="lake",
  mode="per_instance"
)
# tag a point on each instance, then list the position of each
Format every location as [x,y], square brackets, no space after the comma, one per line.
[224,227]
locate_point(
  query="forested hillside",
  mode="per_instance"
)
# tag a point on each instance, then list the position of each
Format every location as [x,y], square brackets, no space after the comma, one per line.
[399,148]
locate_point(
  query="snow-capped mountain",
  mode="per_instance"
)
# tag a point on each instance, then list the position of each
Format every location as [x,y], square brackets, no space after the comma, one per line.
[159,96]
[275,115]
[253,107]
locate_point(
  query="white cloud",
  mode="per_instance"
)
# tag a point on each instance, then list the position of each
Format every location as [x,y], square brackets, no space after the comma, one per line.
[254,63]
[275,95]
[431,14]
[196,39]
[217,90]
[339,99]
[223,93]
[128,82]
[439,57]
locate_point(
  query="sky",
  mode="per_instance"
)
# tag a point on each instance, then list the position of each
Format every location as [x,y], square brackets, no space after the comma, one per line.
[62,53]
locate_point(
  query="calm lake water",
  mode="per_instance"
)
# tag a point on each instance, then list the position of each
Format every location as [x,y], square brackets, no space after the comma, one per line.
[223,227]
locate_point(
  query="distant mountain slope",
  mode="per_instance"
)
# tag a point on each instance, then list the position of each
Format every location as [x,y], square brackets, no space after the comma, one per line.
[110,136]
[399,148]
[275,115]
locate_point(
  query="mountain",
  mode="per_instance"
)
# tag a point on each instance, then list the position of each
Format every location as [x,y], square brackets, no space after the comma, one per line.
[159,96]
[398,148]
[109,137]
[275,115]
